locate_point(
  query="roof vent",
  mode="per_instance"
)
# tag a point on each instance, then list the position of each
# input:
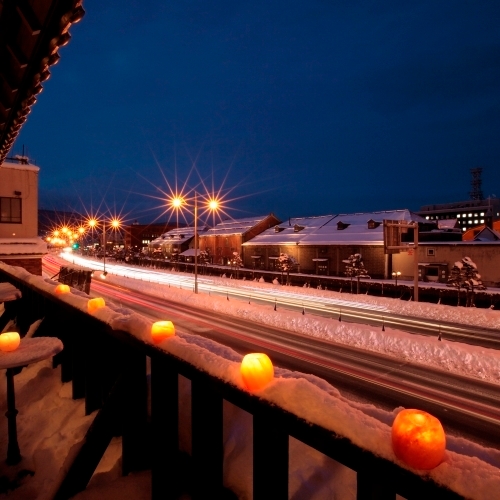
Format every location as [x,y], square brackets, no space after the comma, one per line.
[278,229]
[297,228]
[341,225]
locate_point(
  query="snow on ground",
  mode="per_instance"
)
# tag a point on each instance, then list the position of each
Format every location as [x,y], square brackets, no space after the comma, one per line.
[49,425]
[469,469]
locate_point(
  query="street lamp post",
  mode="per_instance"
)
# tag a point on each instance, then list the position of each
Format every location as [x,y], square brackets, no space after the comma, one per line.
[195,242]
[212,205]
[395,275]
[104,244]
[115,224]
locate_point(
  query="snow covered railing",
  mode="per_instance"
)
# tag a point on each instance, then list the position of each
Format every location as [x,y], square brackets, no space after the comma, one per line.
[105,358]
[9,296]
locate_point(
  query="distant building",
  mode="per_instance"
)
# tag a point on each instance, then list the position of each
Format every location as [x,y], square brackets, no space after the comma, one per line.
[437,258]
[471,234]
[174,242]
[139,236]
[19,241]
[229,235]
[469,214]
[321,244]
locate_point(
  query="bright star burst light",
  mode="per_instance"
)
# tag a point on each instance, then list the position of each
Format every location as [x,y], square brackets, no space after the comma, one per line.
[175,197]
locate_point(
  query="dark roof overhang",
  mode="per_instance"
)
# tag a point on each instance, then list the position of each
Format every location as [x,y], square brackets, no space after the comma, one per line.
[31,33]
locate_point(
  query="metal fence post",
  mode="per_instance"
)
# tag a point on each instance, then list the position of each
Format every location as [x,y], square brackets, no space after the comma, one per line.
[165,470]
[207,446]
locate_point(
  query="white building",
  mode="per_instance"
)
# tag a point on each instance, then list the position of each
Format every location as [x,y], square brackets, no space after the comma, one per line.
[19,241]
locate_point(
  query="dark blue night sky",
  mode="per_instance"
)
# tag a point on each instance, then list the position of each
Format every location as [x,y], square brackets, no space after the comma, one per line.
[296,108]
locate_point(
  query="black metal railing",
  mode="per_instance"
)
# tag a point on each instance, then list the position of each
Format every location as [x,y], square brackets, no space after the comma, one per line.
[108,368]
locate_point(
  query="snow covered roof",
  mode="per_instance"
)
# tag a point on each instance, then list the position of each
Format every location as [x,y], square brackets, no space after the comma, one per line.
[291,232]
[178,235]
[235,226]
[19,166]
[487,234]
[22,246]
[341,229]
[190,252]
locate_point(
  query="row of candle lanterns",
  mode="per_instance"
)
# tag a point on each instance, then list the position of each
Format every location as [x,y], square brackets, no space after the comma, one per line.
[418,438]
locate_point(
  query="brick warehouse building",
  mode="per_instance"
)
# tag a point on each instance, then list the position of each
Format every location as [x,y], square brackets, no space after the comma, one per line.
[320,244]
[228,236]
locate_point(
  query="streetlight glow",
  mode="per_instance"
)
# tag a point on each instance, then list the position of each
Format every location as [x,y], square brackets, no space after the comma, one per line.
[177,202]
[93,223]
[396,275]
[211,204]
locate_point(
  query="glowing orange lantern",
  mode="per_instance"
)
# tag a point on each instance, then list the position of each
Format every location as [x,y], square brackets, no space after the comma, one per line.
[256,370]
[60,289]
[9,341]
[95,304]
[418,439]
[162,330]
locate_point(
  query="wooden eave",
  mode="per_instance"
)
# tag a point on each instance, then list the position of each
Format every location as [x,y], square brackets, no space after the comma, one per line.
[31,33]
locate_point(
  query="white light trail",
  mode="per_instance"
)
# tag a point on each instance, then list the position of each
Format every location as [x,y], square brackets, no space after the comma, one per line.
[244,289]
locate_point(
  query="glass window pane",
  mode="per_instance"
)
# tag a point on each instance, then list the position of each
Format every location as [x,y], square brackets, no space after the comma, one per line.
[15,207]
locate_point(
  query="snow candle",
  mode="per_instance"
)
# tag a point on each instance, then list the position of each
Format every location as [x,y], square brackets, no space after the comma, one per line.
[9,341]
[418,439]
[256,371]
[95,304]
[162,330]
[60,289]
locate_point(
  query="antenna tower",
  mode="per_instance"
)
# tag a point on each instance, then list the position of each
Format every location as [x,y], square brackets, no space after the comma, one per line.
[476,192]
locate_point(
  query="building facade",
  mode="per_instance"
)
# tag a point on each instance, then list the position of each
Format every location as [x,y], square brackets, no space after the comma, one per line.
[469,214]
[171,244]
[19,241]
[320,245]
[436,259]
[227,237]
[138,236]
